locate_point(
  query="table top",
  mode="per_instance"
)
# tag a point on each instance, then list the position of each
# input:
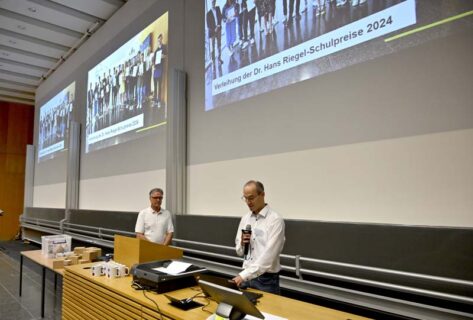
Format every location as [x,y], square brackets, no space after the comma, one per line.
[269,303]
[42,260]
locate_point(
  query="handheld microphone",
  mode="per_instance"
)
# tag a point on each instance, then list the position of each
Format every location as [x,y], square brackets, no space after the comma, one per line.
[247,230]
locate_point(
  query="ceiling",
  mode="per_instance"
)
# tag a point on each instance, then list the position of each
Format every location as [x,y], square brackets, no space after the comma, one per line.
[36,36]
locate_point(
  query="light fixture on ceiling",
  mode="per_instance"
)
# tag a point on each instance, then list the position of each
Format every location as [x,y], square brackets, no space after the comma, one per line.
[21,27]
[32,9]
[12,41]
[5,54]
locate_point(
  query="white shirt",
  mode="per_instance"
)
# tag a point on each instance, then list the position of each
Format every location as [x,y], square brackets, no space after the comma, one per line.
[154,225]
[267,241]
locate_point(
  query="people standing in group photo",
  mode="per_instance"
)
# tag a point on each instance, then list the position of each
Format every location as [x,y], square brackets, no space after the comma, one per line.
[251,26]
[214,30]
[158,59]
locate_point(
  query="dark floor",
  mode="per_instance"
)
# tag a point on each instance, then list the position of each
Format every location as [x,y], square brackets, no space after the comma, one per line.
[28,306]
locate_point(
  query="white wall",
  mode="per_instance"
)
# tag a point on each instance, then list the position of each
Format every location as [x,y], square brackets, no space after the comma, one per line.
[128,192]
[426,179]
[50,195]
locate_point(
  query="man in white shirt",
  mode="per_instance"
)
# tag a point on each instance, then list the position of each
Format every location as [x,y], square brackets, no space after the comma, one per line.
[155,223]
[261,264]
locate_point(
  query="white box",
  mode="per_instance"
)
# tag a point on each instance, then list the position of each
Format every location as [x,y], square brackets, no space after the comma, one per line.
[51,245]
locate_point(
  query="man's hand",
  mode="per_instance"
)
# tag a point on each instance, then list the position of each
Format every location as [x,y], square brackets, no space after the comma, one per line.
[245,238]
[238,280]
[141,236]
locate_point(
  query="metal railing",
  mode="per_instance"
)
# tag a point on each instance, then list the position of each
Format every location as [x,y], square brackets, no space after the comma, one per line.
[40,222]
[299,271]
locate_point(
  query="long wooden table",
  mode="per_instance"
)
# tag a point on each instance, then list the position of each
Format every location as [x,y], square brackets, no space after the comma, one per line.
[88,297]
[45,263]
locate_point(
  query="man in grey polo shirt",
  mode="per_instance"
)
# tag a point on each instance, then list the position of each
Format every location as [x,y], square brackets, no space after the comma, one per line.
[155,223]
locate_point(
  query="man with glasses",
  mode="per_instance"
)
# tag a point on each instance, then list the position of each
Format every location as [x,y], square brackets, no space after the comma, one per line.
[265,242]
[155,223]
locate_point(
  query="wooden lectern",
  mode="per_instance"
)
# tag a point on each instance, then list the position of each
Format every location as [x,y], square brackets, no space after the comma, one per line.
[129,251]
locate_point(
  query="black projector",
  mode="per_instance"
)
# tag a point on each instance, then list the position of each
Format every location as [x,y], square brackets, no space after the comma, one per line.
[145,275]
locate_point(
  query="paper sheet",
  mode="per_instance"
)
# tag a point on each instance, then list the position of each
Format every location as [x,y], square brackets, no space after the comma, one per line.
[174,267]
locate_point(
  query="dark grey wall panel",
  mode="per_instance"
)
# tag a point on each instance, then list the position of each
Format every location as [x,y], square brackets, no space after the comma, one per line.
[430,250]
[209,229]
[446,252]
[51,214]
[124,221]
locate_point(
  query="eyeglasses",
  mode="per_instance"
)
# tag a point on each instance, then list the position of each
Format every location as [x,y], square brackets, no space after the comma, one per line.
[157,198]
[249,199]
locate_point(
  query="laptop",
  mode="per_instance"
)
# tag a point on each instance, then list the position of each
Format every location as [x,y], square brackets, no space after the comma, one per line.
[252,296]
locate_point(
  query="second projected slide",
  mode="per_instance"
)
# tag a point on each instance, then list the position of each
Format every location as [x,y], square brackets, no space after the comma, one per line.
[255,46]
[127,91]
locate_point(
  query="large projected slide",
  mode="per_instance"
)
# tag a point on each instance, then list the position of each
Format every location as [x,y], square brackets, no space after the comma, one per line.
[126,92]
[54,119]
[253,47]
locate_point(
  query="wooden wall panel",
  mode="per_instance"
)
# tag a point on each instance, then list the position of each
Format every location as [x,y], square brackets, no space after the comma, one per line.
[16,131]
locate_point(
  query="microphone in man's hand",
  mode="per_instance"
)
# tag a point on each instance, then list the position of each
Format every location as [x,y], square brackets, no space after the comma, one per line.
[247,230]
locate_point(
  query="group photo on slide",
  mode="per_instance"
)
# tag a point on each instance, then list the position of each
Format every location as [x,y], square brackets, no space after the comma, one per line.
[242,32]
[54,121]
[127,90]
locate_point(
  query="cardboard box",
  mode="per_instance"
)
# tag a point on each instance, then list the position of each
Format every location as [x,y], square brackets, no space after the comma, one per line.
[74,259]
[58,263]
[88,255]
[52,245]
[95,249]
[78,250]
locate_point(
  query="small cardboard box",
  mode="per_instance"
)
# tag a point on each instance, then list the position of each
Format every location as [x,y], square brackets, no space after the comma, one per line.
[97,250]
[88,255]
[58,263]
[79,250]
[51,245]
[74,259]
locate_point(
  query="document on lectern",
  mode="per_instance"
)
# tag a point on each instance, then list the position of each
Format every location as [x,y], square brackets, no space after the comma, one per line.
[174,268]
